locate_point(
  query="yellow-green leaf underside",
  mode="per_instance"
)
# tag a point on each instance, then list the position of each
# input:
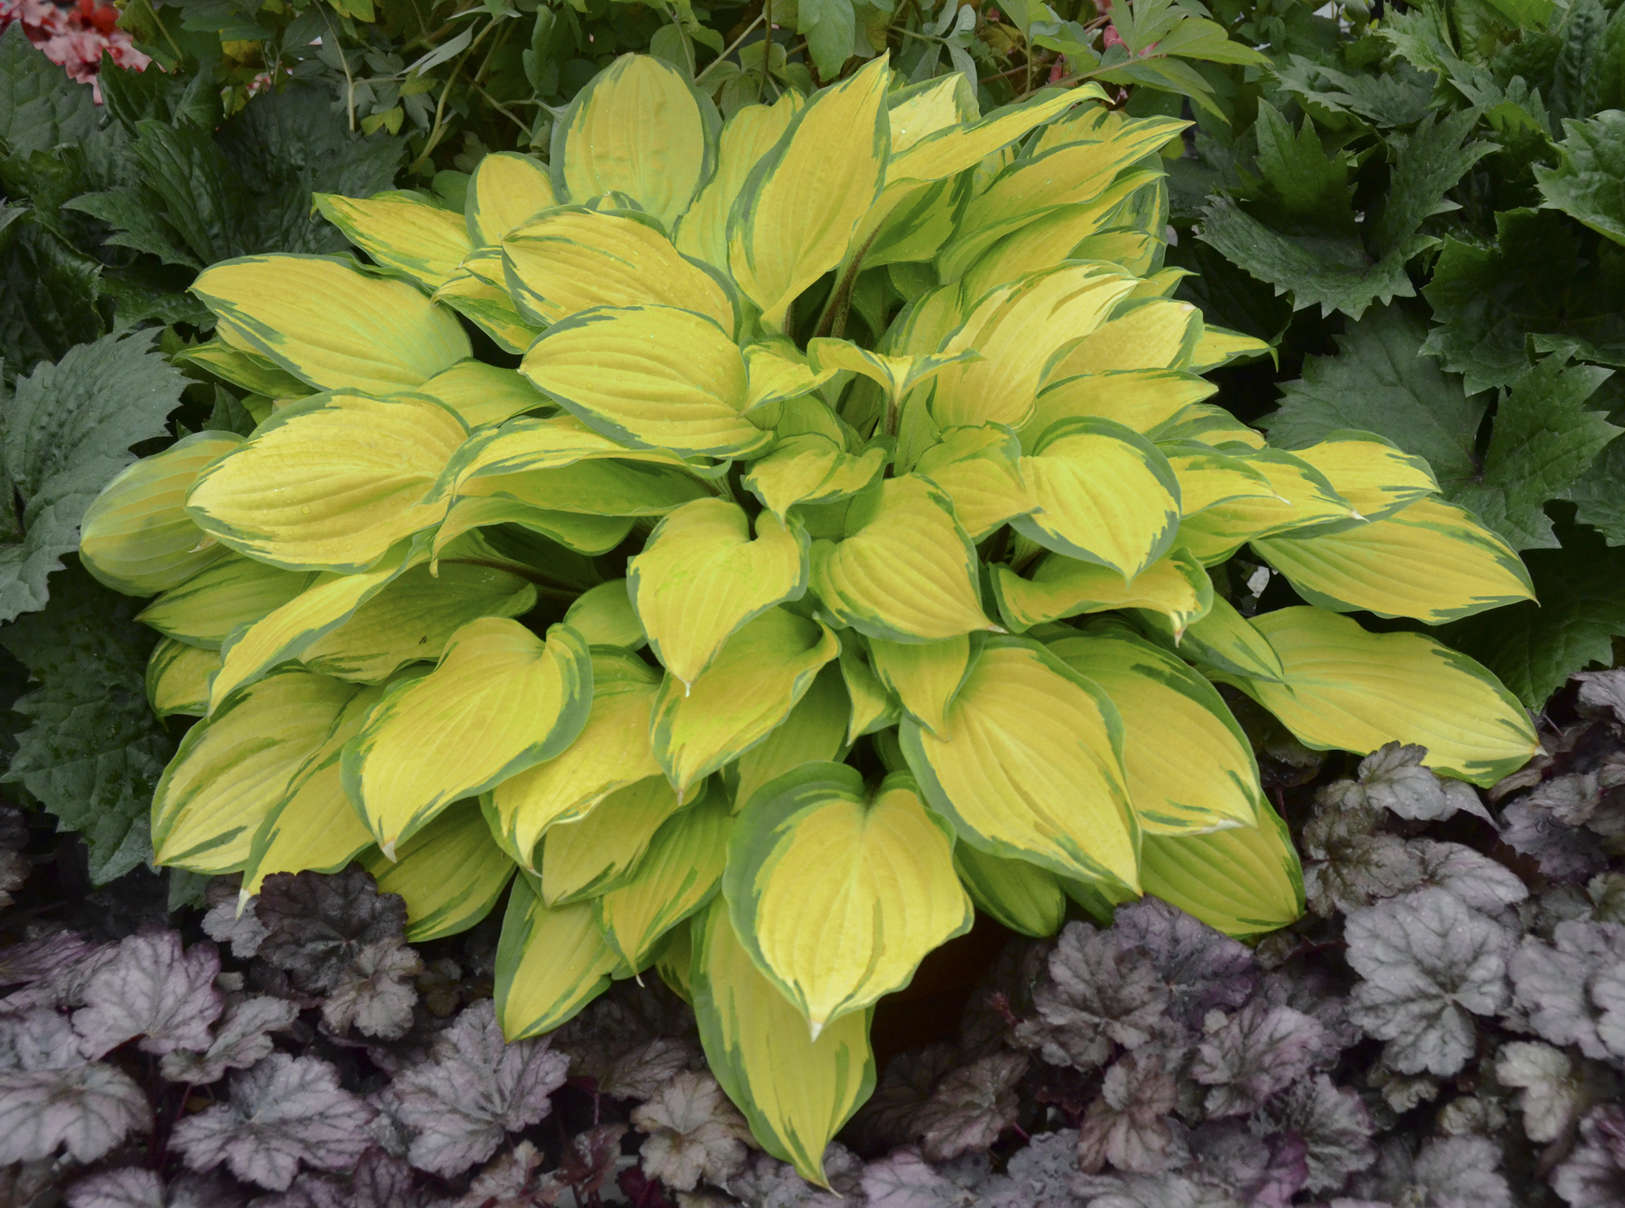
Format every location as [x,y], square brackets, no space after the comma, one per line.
[136,536]
[449,874]
[232,769]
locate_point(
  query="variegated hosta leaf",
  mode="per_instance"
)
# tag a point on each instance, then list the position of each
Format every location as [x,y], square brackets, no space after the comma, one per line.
[1343,688]
[501,700]
[905,571]
[288,630]
[604,616]
[1208,476]
[1302,497]
[1018,329]
[815,730]
[177,678]
[1222,640]
[810,468]
[573,258]
[955,147]
[1371,473]
[402,234]
[872,705]
[674,878]
[481,394]
[1206,778]
[775,370]
[796,215]
[652,377]
[749,688]
[979,470]
[413,617]
[700,577]
[1103,493]
[746,138]
[551,962]
[505,190]
[450,874]
[1175,588]
[315,826]
[1020,895]
[895,374]
[639,128]
[330,325]
[1142,333]
[585,856]
[330,483]
[233,592]
[1028,764]
[923,676]
[573,530]
[1243,881]
[1429,560]
[235,767]
[611,752]
[136,536]
[838,895]
[796,1091]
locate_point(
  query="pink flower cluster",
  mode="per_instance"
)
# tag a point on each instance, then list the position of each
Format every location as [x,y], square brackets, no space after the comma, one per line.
[75,36]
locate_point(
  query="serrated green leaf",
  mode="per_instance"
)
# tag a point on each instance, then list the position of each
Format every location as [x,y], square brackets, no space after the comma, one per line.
[66,430]
[1581,613]
[1589,182]
[1543,440]
[1379,381]
[92,751]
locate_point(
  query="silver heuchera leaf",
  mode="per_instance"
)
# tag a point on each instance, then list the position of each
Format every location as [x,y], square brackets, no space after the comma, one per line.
[1250,1055]
[1594,1172]
[1096,993]
[1475,880]
[1131,1125]
[904,1179]
[1393,778]
[153,989]
[284,1112]
[243,1039]
[374,993]
[970,1106]
[85,1109]
[692,1133]
[1427,964]
[129,1187]
[1333,1124]
[51,1098]
[473,1091]
[1548,1091]
[1558,985]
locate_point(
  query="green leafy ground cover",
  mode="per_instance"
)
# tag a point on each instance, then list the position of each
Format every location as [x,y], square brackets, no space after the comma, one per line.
[1422,212]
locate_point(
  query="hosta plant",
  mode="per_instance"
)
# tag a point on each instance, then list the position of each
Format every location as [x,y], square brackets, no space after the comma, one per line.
[773,540]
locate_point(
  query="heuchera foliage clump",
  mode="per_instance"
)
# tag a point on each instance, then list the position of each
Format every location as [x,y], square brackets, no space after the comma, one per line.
[766,540]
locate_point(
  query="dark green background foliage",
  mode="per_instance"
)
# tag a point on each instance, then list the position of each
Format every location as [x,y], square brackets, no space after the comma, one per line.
[1425,215]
